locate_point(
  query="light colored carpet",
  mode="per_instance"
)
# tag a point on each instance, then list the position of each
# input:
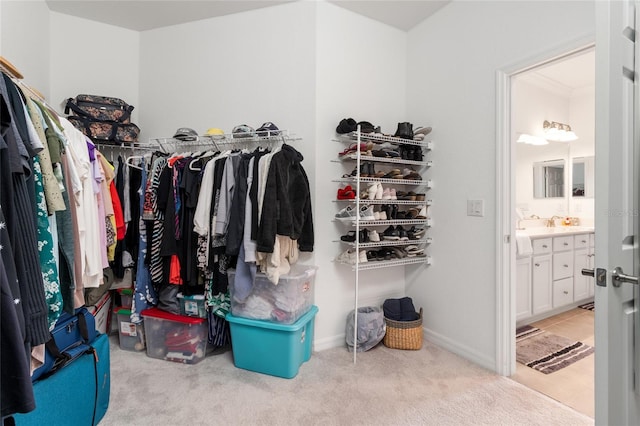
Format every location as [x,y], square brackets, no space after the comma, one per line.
[386,387]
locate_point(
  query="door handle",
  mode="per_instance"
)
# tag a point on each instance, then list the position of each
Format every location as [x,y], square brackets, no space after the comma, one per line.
[619,277]
[589,272]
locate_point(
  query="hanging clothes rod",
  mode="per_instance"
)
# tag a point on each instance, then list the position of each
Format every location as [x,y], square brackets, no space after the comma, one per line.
[16,76]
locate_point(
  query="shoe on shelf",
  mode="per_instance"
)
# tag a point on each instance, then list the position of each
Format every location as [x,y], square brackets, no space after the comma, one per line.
[423,213]
[416,233]
[373,190]
[422,131]
[382,215]
[402,233]
[404,131]
[376,215]
[394,211]
[420,197]
[362,257]
[386,194]
[366,213]
[349,237]
[392,193]
[391,234]
[379,192]
[399,252]
[374,237]
[348,256]
[346,214]
[346,193]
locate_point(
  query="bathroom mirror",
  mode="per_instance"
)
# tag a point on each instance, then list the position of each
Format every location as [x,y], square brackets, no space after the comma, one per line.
[548,179]
[582,177]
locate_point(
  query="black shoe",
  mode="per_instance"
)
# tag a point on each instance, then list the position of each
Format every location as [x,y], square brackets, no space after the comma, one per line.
[364,236]
[417,153]
[402,233]
[405,131]
[346,125]
[391,234]
[394,211]
[349,237]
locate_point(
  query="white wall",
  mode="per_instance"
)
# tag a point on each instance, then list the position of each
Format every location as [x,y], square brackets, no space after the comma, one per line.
[360,73]
[531,106]
[24,31]
[453,59]
[89,57]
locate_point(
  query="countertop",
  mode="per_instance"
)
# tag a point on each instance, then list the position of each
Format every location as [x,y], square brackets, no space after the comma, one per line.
[555,231]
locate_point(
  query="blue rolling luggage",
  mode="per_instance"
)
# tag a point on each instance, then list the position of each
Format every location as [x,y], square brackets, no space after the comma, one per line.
[68,341]
[77,394]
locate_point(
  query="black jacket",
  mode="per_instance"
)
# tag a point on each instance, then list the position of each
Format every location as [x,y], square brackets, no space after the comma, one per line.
[286,209]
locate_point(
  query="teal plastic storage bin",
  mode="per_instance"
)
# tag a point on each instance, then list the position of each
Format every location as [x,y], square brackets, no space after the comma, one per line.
[272,348]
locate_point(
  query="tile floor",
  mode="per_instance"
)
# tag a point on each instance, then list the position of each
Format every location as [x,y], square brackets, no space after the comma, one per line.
[573,385]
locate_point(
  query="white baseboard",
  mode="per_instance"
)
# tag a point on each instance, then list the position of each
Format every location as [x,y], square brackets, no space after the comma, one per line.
[459,349]
[329,343]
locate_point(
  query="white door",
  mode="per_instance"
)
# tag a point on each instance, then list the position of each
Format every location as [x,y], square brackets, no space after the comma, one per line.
[617,394]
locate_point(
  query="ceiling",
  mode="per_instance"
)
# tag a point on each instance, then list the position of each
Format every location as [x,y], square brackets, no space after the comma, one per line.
[145,15]
[566,74]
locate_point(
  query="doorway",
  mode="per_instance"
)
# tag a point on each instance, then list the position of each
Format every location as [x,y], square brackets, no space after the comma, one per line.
[548,179]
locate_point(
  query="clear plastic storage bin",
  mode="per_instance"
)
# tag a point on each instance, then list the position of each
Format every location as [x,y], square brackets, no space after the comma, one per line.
[175,338]
[131,335]
[283,303]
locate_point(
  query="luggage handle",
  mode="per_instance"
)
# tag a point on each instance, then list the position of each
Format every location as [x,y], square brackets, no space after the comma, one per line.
[62,358]
[75,108]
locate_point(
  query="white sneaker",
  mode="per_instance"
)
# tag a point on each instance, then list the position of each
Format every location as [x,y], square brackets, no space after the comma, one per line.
[363,257]
[383,215]
[347,256]
[423,213]
[366,213]
[393,194]
[373,189]
[346,214]
[374,237]
[379,192]
[376,215]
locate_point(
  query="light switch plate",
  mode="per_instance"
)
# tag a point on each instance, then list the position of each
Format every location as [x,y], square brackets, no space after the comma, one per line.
[475,208]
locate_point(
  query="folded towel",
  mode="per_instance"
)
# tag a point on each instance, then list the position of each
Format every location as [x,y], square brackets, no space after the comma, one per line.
[523,244]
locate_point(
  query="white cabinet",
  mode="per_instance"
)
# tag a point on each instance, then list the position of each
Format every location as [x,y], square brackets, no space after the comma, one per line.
[541,284]
[555,278]
[523,288]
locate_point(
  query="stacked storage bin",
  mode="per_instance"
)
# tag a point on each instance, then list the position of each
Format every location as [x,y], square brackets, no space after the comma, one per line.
[174,337]
[131,335]
[275,339]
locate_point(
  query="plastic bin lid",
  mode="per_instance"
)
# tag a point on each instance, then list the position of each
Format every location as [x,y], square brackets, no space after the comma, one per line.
[160,314]
[303,320]
[122,311]
[126,291]
[297,271]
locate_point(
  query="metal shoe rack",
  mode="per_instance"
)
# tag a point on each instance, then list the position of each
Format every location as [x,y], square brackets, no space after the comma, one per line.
[360,184]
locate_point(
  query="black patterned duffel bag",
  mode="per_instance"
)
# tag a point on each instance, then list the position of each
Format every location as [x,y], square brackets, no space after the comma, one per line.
[101,108]
[106,131]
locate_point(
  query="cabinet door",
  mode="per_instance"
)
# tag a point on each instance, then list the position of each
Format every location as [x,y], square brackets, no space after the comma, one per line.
[562,265]
[541,283]
[562,292]
[523,288]
[581,282]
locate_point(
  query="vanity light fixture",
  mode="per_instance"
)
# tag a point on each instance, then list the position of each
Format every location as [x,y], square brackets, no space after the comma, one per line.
[558,132]
[532,140]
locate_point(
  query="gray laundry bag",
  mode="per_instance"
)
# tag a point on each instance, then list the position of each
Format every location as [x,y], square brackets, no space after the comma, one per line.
[371,328]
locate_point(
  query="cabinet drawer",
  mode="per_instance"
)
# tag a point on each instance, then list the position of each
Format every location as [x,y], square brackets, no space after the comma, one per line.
[541,246]
[562,265]
[580,241]
[562,292]
[563,243]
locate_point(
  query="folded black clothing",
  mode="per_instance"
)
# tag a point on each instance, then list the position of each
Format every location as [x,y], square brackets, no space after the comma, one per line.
[400,309]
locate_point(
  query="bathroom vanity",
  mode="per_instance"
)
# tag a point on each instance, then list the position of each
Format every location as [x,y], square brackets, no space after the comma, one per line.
[549,280]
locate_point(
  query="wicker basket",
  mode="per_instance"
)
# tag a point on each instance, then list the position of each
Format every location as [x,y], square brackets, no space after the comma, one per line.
[403,334]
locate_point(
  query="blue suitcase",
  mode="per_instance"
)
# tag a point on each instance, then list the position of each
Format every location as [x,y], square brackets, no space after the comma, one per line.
[66,343]
[77,394]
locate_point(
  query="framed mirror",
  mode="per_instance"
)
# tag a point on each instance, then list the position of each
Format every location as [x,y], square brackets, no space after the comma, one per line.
[582,177]
[548,179]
